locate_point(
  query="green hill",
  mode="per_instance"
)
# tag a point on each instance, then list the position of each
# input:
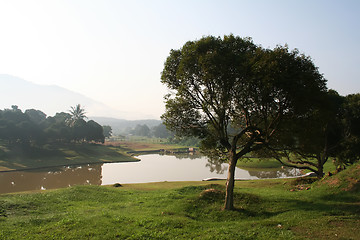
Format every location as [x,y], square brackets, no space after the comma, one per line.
[347,180]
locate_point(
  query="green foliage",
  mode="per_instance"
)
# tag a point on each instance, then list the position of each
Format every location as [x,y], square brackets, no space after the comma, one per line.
[329,131]
[185,141]
[249,163]
[36,116]
[350,146]
[161,131]
[107,131]
[77,113]
[316,136]
[237,97]
[142,130]
[33,127]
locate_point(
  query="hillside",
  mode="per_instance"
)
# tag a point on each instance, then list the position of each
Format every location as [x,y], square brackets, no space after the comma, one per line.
[48,98]
[347,180]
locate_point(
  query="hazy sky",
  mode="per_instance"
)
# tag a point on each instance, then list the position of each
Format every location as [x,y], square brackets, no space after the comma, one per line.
[113,51]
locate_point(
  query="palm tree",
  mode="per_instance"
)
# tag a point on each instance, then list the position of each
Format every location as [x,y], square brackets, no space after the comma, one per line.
[77,113]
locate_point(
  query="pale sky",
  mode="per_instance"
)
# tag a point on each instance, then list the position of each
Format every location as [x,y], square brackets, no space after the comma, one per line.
[113,51]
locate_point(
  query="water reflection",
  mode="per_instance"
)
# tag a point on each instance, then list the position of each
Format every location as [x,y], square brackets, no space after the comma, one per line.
[179,156]
[50,178]
[217,166]
[151,168]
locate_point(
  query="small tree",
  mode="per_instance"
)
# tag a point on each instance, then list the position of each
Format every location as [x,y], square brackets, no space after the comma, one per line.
[236,96]
[107,131]
[77,113]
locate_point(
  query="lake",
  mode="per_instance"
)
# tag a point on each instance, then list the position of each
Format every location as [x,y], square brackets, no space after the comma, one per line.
[151,168]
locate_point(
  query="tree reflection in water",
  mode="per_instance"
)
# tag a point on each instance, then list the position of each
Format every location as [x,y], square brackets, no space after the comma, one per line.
[217,166]
[186,156]
[152,168]
[220,167]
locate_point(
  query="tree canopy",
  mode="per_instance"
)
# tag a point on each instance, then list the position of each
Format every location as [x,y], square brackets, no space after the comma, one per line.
[107,131]
[237,96]
[350,144]
[33,126]
[77,113]
[315,136]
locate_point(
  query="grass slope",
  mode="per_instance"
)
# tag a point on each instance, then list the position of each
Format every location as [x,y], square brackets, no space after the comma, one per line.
[267,209]
[17,157]
[258,163]
[273,164]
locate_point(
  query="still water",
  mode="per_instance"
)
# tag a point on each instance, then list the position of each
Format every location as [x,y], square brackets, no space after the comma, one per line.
[151,168]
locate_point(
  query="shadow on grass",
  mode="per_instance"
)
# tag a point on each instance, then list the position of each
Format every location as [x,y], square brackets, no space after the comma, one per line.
[205,203]
[341,203]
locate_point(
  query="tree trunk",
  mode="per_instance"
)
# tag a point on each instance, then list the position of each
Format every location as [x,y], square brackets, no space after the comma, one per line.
[321,160]
[230,183]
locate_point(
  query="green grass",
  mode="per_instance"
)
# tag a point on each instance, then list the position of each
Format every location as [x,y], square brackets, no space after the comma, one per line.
[266,209]
[273,164]
[257,163]
[17,157]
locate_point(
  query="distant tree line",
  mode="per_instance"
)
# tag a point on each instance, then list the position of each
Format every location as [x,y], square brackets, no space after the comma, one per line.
[143,130]
[160,131]
[33,126]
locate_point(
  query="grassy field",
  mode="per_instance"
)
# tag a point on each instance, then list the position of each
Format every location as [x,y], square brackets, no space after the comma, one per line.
[266,209]
[17,157]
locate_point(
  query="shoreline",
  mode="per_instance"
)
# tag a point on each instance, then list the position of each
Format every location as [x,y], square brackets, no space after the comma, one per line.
[59,155]
[131,154]
[63,165]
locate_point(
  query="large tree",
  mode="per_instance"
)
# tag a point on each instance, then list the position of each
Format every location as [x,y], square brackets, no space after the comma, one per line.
[350,145]
[36,116]
[316,136]
[95,132]
[235,95]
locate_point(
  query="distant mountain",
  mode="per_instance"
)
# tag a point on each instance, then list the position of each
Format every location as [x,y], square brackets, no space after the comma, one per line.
[48,98]
[119,125]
